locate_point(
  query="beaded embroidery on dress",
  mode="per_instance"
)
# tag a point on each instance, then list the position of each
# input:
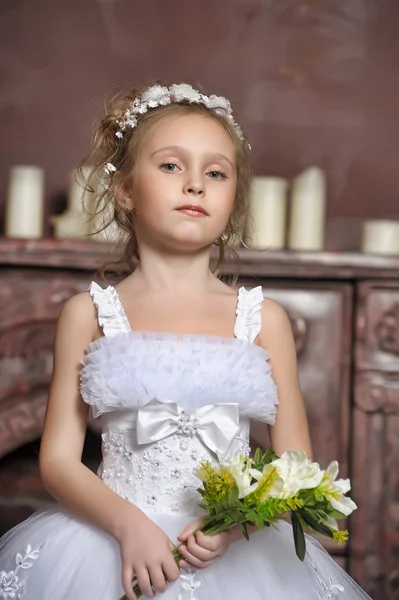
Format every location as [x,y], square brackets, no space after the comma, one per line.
[165,402]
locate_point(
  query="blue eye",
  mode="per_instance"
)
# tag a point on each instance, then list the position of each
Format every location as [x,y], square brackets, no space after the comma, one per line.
[169,167]
[216,175]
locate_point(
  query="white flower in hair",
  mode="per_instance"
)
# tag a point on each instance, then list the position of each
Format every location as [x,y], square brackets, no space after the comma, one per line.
[184,91]
[109,168]
[219,102]
[156,95]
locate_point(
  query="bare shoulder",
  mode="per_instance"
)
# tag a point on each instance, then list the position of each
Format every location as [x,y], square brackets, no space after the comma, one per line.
[273,314]
[276,325]
[79,317]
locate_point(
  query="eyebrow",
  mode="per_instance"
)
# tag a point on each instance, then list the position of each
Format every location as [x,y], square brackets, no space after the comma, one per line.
[181,149]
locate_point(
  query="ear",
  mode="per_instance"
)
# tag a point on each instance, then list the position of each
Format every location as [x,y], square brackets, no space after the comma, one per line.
[122,191]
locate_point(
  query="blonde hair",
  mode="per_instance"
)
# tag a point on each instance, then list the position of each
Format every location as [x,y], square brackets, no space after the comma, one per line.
[122,154]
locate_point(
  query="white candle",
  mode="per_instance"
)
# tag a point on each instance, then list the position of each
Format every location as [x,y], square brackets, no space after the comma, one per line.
[380,237]
[267,215]
[25,199]
[308,208]
[74,222]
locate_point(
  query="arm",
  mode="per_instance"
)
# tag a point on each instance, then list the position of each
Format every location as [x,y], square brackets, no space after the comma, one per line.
[62,472]
[290,431]
[145,548]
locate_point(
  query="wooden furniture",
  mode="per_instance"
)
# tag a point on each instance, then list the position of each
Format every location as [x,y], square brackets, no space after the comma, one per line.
[344,310]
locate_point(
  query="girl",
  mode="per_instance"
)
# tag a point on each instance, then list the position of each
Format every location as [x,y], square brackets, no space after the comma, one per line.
[176,364]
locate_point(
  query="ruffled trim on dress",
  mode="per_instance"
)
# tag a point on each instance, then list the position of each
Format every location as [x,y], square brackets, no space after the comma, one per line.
[129,370]
[111,316]
[248,322]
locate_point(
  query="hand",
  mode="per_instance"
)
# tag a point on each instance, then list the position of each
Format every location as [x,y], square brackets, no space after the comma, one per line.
[201,550]
[147,555]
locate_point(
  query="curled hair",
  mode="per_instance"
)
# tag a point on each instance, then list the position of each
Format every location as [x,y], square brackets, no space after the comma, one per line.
[122,153]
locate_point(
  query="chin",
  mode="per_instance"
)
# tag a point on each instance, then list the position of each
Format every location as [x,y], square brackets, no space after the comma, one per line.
[189,243]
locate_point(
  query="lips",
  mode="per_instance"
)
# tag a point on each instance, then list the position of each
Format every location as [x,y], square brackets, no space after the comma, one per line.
[193,210]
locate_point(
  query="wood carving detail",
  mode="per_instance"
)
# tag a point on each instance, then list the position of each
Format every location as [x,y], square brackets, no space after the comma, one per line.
[387,330]
[377,392]
[21,421]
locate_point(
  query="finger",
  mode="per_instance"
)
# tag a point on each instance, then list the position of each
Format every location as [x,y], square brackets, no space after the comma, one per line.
[203,553]
[197,556]
[194,563]
[190,528]
[210,542]
[171,570]
[183,564]
[157,578]
[127,579]
[143,579]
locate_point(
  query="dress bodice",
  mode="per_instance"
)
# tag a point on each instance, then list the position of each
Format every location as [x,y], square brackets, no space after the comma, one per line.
[168,401]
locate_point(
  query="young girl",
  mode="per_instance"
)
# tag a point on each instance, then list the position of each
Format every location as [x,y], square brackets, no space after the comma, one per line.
[177,364]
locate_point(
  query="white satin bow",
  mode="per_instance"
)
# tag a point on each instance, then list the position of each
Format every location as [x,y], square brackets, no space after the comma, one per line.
[216,425]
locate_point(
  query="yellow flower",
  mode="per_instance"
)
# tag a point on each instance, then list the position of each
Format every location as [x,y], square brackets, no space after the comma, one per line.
[217,480]
[341,536]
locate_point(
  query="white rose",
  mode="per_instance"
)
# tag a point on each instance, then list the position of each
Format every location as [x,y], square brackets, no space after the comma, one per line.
[155,93]
[297,472]
[184,91]
[334,490]
[219,102]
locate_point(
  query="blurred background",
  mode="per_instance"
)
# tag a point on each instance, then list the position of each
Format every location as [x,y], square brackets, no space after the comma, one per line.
[314,84]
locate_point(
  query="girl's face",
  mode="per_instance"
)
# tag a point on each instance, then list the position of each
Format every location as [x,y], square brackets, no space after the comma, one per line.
[183,183]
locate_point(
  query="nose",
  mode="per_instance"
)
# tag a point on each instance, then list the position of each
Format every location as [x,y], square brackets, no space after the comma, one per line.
[195,189]
[194,185]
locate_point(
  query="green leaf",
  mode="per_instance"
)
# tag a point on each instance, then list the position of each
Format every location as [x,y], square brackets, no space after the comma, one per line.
[319,527]
[299,538]
[335,514]
[258,455]
[245,531]
[233,496]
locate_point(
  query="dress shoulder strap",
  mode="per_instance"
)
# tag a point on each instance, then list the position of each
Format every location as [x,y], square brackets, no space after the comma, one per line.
[248,321]
[111,315]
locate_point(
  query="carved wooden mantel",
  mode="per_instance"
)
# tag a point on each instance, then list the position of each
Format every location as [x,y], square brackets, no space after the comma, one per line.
[344,310]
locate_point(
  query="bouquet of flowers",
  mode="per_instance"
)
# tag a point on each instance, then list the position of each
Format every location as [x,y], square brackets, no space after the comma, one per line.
[259,491]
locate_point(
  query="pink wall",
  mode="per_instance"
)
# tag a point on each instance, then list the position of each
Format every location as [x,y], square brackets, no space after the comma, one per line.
[313,82]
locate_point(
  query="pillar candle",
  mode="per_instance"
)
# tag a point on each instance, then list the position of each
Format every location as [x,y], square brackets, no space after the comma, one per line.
[267,215]
[308,208]
[380,237]
[75,221]
[25,200]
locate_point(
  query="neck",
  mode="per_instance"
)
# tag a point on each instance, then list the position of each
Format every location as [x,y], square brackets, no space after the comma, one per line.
[174,272]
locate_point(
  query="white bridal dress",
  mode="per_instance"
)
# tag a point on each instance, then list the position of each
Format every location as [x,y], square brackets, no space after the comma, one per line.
[166,402]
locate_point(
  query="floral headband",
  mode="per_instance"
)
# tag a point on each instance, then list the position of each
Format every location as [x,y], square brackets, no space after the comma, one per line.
[158,95]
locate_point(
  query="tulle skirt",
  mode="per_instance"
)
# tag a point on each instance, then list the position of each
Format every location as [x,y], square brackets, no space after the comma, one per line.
[52,556]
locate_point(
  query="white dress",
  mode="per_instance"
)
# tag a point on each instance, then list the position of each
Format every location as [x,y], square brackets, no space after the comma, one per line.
[166,402]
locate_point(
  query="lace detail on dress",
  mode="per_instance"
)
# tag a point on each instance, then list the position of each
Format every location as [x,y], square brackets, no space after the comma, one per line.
[111,315]
[326,590]
[11,586]
[249,314]
[158,477]
[188,585]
